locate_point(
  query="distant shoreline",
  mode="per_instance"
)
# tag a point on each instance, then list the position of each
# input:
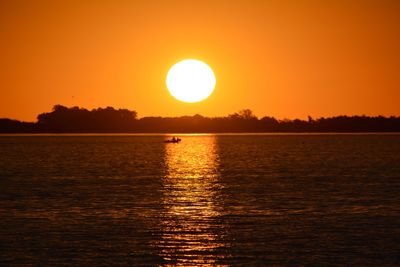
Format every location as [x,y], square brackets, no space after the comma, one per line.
[75,120]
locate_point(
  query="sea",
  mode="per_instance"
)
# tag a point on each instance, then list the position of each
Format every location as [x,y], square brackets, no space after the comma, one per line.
[210,200]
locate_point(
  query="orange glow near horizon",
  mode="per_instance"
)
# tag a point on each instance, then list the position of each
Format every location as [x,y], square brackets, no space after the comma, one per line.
[285,59]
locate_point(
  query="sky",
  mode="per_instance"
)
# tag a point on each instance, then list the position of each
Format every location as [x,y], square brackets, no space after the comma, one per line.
[287,59]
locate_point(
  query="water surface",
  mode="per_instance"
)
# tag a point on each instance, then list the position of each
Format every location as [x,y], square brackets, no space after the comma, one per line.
[230,200]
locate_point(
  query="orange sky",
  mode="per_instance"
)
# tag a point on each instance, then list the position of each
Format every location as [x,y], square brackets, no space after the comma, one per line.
[279,58]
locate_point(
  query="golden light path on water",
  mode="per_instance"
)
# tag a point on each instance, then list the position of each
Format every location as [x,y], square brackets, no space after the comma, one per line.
[191,229]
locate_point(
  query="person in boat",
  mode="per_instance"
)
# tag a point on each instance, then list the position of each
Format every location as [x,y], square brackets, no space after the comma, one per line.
[173,140]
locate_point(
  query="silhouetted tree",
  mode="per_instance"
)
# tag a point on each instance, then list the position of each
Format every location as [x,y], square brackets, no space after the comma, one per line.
[75,119]
[14,126]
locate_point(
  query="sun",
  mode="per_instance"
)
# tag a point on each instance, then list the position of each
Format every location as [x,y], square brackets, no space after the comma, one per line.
[190,80]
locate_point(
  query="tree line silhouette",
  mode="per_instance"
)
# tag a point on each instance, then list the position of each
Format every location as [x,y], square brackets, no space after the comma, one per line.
[109,120]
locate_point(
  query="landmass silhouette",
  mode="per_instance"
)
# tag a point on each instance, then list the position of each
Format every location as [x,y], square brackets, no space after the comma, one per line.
[109,120]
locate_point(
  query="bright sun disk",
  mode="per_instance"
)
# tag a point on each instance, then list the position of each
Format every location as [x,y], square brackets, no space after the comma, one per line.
[190,80]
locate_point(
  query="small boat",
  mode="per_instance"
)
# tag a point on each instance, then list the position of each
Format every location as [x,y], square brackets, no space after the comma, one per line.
[173,140]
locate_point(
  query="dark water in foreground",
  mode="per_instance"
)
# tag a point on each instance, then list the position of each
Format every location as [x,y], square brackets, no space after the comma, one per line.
[226,200]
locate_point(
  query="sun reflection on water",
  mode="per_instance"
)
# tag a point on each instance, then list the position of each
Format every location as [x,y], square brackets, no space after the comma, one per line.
[191,228]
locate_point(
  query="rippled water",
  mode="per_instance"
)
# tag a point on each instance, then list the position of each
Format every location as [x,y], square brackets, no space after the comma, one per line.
[230,200]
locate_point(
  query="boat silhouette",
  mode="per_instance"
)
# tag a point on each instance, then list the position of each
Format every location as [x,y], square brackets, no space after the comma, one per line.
[173,140]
